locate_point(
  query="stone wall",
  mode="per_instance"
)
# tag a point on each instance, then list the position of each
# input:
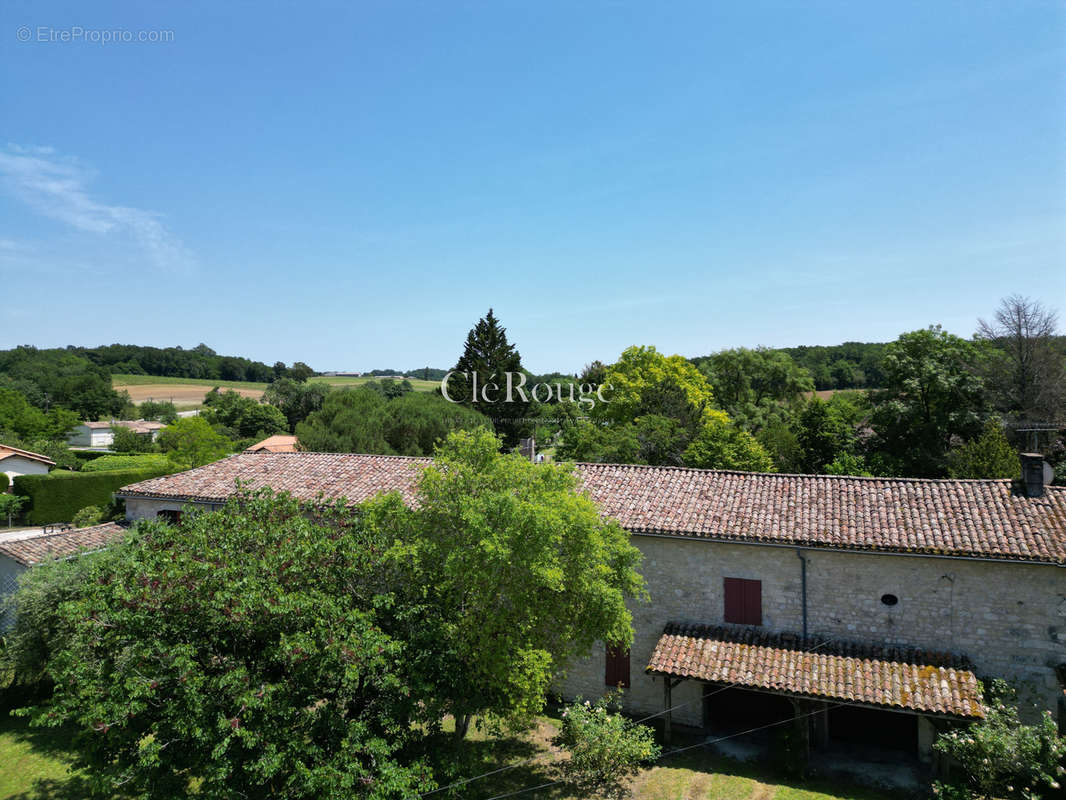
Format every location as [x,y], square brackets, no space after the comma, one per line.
[148,507]
[1008,618]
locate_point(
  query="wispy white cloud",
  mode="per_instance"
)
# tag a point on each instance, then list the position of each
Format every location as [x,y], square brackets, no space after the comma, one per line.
[57,187]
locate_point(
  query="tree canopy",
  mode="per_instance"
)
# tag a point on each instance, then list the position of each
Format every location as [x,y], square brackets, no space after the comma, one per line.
[364,420]
[932,394]
[282,649]
[487,359]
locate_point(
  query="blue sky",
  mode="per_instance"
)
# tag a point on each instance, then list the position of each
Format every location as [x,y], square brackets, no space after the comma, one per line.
[354,184]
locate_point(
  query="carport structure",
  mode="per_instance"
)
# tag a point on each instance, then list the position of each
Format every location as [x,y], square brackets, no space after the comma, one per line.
[817,683]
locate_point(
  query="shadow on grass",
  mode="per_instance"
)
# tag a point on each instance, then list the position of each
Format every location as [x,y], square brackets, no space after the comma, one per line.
[712,767]
[72,788]
[454,762]
[51,744]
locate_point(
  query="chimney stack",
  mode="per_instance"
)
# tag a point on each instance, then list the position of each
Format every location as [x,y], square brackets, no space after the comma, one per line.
[1033,476]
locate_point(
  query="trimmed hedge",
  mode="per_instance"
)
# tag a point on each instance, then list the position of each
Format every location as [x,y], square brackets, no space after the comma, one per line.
[112,463]
[58,496]
[4,481]
[89,455]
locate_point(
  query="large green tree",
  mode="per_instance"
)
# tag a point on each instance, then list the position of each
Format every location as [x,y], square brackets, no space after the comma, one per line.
[933,395]
[242,417]
[242,653]
[192,442]
[294,399]
[480,378]
[753,385]
[17,416]
[519,573]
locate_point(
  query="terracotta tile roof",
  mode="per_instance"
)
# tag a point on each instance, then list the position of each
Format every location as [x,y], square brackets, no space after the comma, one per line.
[141,425]
[275,444]
[945,517]
[35,549]
[306,476]
[982,519]
[7,451]
[96,425]
[935,683]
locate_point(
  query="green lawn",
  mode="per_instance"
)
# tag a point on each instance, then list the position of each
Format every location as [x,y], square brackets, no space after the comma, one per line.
[34,766]
[34,763]
[694,774]
[333,380]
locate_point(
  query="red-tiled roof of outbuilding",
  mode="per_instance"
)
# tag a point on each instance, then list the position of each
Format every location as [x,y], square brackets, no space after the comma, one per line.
[34,549]
[888,677]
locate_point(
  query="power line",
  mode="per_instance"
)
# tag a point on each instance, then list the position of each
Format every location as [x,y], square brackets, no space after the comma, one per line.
[528,761]
[704,743]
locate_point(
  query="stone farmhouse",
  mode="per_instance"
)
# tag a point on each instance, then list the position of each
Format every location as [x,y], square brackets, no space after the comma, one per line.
[862,609]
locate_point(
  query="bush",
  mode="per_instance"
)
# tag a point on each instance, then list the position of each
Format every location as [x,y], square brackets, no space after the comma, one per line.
[126,441]
[109,463]
[605,748]
[88,455]
[1001,757]
[4,481]
[90,515]
[58,496]
[38,629]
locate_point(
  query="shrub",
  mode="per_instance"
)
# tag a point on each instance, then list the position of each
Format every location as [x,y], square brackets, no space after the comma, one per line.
[38,629]
[58,496]
[90,515]
[999,756]
[605,748]
[109,463]
[126,441]
[4,481]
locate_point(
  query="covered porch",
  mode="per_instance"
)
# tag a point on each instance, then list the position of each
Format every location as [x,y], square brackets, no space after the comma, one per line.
[827,698]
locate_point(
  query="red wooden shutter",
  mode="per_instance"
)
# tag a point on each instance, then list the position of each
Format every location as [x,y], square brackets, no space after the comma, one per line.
[617,667]
[743,601]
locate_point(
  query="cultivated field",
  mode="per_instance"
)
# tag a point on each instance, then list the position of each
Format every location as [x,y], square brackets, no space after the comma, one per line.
[189,392]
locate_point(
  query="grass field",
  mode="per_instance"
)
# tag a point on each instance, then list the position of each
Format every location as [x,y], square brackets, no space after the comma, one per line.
[188,393]
[34,765]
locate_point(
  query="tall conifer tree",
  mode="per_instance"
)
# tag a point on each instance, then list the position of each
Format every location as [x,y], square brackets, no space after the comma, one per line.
[486,360]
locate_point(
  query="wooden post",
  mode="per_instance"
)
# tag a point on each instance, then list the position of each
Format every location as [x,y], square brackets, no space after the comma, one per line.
[821,726]
[668,704]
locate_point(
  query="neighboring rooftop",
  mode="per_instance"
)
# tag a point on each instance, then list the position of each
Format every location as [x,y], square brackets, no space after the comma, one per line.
[279,443]
[886,677]
[982,519]
[34,549]
[140,425]
[7,451]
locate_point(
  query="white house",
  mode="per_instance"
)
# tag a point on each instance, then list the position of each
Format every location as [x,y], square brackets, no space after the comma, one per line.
[91,434]
[102,434]
[15,462]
